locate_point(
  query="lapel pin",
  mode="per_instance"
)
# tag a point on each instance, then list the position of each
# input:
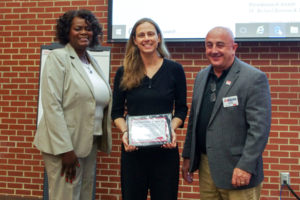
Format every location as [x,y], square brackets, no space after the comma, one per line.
[228,82]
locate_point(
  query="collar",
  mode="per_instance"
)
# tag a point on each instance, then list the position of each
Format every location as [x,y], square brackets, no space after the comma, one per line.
[224,73]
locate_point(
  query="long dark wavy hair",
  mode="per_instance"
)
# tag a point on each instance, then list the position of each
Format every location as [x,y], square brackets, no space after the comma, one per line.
[64,24]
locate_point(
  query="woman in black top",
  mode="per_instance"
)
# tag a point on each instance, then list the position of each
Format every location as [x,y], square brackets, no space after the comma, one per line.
[147,84]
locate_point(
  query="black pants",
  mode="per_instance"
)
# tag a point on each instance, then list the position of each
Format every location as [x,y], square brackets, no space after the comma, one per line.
[156,169]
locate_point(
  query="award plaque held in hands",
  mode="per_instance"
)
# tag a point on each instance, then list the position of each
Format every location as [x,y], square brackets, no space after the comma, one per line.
[149,130]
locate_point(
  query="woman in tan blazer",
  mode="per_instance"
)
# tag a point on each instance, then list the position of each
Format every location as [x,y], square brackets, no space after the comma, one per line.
[76,101]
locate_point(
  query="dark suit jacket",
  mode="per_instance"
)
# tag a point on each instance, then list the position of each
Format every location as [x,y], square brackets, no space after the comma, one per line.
[237,135]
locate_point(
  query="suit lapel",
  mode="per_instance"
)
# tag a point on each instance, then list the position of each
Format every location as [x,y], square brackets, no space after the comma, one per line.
[227,85]
[78,66]
[199,89]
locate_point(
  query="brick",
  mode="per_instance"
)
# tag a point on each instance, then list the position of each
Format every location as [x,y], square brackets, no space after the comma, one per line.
[31,186]
[17,115]
[295,62]
[20,10]
[6,191]
[62,3]
[295,76]
[280,76]
[36,22]
[279,115]
[295,128]
[280,62]
[22,192]
[16,127]
[5,10]
[288,82]
[28,16]
[11,51]
[16,150]
[27,28]
[289,147]
[18,80]
[288,95]
[289,121]
[12,16]
[260,62]
[45,16]
[289,160]
[21,121]
[268,56]
[37,10]
[23,180]
[288,69]
[79,3]
[271,160]
[5,22]
[288,56]
[15,162]
[295,155]
[65,9]
[36,33]
[295,102]
[19,45]
[96,2]
[19,22]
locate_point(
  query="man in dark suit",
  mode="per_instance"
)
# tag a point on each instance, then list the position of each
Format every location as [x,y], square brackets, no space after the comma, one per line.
[229,124]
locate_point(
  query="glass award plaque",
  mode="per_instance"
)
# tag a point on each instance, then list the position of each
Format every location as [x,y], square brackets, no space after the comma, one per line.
[149,130]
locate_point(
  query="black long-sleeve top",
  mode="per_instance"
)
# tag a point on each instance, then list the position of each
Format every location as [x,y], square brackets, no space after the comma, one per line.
[160,94]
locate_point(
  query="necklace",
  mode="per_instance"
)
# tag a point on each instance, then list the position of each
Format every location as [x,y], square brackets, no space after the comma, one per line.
[86,63]
[84,59]
[88,67]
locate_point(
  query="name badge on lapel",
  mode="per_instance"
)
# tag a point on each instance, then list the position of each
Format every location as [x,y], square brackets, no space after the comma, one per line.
[230,101]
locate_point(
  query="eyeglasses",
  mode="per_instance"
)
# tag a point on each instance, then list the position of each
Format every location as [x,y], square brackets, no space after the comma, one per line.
[213,95]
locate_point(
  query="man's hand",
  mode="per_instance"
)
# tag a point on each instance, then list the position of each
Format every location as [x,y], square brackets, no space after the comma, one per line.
[187,176]
[240,177]
[69,163]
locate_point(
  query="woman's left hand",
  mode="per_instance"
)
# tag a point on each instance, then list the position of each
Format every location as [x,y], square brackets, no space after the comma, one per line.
[176,122]
[173,143]
[69,164]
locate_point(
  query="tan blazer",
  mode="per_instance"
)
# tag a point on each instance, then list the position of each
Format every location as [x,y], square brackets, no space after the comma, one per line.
[69,104]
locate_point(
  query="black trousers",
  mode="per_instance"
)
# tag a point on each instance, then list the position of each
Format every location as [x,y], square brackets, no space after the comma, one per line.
[155,169]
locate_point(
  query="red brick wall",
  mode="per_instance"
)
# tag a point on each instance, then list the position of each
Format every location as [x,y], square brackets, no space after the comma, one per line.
[25,25]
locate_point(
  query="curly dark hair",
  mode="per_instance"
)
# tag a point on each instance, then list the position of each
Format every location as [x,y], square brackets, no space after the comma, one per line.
[64,23]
